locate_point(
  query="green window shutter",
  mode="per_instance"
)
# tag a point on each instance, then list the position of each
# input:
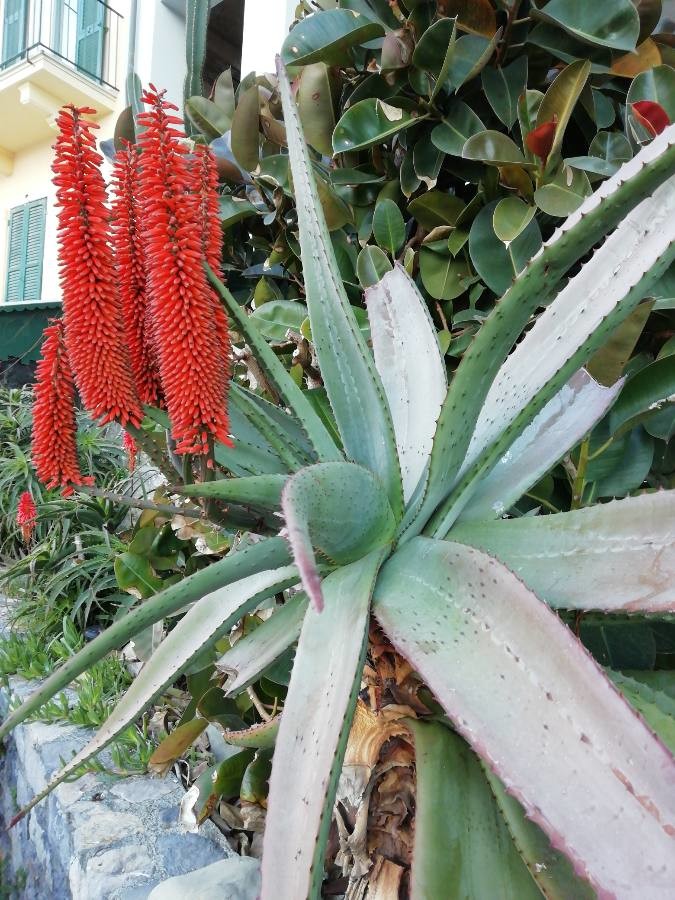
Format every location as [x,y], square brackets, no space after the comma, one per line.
[90,21]
[13,28]
[35,245]
[26,238]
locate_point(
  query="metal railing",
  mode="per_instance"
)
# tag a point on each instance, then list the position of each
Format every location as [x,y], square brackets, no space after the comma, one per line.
[83,34]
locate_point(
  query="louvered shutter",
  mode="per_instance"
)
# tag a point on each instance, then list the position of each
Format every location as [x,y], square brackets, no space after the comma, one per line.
[16,256]
[90,20]
[35,244]
[13,28]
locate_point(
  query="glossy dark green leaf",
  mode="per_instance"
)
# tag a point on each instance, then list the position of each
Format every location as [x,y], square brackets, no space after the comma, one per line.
[388,226]
[469,56]
[614,25]
[370,122]
[255,782]
[623,466]
[134,574]
[436,208]
[510,217]
[495,148]
[561,98]
[234,210]
[503,86]
[408,177]
[619,644]
[209,118]
[657,84]
[607,152]
[443,276]
[275,318]
[496,264]
[328,37]
[371,265]
[457,127]
[649,393]
[567,48]
[427,160]
[432,46]
[315,96]
[564,193]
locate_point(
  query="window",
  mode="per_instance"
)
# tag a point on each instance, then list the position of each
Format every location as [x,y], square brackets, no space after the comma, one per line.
[25,242]
[14,29]
[79,31]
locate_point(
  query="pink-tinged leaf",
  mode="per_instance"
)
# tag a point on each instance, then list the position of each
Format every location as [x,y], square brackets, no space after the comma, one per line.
[536,707]
[615,557]
[561,424]
[313,733]
[339,509]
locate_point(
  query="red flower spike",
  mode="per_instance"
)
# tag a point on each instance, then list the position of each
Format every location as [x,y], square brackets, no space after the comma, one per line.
[131,448]
[26,515]
[54,449]
[205,177]
[540,140]
[91,304]
[181,301]
[651,116]
[130,256]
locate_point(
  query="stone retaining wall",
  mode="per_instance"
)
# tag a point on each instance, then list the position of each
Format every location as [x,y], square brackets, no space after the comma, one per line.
[95,838]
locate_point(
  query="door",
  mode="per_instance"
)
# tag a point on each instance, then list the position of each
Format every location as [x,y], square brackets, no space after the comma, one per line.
[14,29]
[90,29]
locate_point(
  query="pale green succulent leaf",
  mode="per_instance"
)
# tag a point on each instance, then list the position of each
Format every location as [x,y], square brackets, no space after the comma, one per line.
[617,556]
[467,855]
[339,509]
[209,619]
[546,716]
[253,653]
[560,426]
[655,707]
[313,733]
[272,553]
[411,367]
[347,368]
[255,490]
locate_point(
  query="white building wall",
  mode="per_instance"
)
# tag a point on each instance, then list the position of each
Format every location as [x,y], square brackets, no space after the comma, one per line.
[266,24]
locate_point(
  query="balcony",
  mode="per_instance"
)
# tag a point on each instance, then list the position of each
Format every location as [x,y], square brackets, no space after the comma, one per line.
[53,52]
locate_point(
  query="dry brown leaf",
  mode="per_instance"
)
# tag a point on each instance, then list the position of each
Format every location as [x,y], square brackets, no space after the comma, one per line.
[645,57]
[385,880]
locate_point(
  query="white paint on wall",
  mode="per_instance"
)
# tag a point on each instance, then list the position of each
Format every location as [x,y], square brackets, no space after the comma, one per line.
[266,24]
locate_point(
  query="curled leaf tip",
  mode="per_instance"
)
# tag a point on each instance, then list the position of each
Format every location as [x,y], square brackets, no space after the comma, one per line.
[650,115]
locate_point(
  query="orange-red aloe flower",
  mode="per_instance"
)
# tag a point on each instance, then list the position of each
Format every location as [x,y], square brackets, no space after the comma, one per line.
[131,448]
[26,515]
[651,115]
[91,305]
[205,176]
[54,447]
[181,302]
[130,257]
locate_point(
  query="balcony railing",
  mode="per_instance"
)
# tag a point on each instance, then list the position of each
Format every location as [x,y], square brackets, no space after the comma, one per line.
[83,34]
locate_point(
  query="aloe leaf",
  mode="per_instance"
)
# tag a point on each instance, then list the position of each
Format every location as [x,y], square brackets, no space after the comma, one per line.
[254,652]
[549,867]
[289,391]
[288,424]
[466,855]
[313,733]
[584,314]
[261,736]
[612,557]
[532,288]
[269,428]
[559,427]
[546,715]
[655,707]
[349,375]
[208,620]
[267,554]
[411,367]
[255,490]
[340,509]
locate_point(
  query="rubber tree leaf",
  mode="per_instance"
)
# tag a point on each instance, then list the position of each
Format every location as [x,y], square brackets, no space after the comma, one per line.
[496,263]
[349,375]
[315,97]
[658,84]
[372,265]
[510,217]
[608,363]
[457,127]
[268,554]
[560,426]
[411,367]
[209,118]
[257,650]
[564,193]
[246,129]
[534,705]
[209,619]
[495,148]
[339,509]
[328,37]
[617,27]
[613,556]
[649,393]
[561,98]
[503,85]
[467,855]
[277,317]
[578,322]
[313,733]
[293,396]
[388,226]
[368,122]
[549,867]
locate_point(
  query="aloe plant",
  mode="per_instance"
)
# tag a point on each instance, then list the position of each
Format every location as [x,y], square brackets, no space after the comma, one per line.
[535,777]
